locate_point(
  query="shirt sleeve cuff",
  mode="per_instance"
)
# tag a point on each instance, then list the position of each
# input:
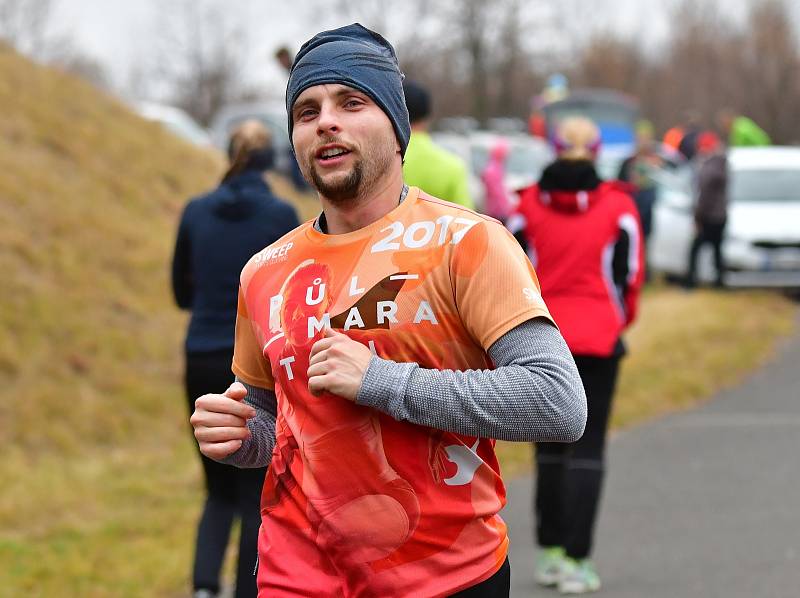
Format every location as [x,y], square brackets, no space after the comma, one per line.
[384,384]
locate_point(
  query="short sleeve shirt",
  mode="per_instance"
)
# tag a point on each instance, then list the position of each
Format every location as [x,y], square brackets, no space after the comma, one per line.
[355,502]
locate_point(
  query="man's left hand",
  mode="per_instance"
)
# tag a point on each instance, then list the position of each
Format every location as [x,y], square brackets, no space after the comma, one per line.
[337,365]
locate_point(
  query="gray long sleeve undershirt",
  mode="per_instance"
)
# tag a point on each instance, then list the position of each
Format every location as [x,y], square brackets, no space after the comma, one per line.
[256,451]
[535,394]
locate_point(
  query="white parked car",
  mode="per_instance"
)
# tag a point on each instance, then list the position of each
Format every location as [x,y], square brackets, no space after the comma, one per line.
[176,121]
[762,238]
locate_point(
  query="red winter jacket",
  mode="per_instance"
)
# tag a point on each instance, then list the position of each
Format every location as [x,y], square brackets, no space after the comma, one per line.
[586,245]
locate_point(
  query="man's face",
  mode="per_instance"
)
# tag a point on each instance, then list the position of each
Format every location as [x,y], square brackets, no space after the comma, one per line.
[344,142]
[644,141]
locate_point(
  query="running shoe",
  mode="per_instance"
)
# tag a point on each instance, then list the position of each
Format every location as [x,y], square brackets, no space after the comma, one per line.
[548,565]
[578,577]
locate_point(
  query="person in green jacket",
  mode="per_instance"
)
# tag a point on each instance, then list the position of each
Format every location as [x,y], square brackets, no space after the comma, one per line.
[741,131]
[428,166]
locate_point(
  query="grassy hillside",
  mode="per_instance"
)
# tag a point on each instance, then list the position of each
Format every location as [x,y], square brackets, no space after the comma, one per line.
[92,417]
[101,487]
[91,196]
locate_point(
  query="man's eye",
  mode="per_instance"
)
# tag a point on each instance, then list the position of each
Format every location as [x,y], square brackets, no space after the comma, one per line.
[306,114]
[353,103]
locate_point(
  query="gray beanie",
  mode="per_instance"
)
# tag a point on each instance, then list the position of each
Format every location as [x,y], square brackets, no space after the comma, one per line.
[356,57]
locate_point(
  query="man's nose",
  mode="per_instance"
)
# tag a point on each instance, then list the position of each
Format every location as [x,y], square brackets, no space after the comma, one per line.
[328,122]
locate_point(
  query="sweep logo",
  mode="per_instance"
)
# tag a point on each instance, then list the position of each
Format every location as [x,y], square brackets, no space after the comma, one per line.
[272,255]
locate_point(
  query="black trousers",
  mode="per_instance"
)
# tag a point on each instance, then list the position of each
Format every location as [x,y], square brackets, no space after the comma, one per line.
[497,586]
[569,476]
[231,492]
[711,233]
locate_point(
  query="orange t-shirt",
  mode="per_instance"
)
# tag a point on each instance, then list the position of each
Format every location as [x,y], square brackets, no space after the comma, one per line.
[356,503]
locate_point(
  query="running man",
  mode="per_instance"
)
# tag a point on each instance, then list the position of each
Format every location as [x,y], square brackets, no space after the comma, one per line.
[380,350]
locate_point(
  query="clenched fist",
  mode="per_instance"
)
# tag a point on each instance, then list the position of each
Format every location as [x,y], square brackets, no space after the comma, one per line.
[220,421]
[337,365]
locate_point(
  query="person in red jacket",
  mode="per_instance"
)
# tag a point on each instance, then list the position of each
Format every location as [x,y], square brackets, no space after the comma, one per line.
[584,237]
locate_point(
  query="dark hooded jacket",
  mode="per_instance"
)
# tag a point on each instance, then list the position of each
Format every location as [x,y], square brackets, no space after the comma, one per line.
[712,190]
[218,233]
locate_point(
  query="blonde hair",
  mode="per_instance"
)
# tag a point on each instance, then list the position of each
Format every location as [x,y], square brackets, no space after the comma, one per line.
[248,137]
[577,138]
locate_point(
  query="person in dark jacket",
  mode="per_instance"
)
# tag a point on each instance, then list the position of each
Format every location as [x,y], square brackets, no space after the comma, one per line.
[638,170]
[584,237]
[711,207]
[691,131]
[218,233]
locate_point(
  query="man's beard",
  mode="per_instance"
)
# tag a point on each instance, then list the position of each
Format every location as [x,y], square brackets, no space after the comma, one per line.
[361,179]
[341,190]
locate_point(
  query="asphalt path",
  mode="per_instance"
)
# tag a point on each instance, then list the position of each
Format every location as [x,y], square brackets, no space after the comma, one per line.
[704,503]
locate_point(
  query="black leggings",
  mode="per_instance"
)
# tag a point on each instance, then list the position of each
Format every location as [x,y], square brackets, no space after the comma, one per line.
[497,586]
[711,233]
[231,491]
[569,476]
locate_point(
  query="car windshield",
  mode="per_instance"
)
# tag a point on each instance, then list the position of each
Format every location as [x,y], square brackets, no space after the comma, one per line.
[765,185]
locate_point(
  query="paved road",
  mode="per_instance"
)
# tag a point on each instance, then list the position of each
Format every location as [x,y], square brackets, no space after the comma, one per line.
[698,504]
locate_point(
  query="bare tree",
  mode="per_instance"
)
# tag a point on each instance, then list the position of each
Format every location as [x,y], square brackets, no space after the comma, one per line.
[771,69]
[387,18]
[27,26]
[200,57]
[703,47]
[574,23]
[708,63]
[86,67]
[23,25]
[472,24]
[509,59]
[488,34]
[608,61]
[489,57]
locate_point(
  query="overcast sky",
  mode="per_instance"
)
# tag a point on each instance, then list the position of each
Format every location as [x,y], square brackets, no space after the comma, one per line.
[119,33]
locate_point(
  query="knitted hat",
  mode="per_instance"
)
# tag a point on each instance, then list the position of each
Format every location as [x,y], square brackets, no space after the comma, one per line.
[418,101]
[356,57]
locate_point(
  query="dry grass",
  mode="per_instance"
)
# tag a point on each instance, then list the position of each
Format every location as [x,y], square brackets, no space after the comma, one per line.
[101,484]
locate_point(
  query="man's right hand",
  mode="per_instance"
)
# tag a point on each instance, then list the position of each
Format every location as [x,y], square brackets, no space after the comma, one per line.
[220,421]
